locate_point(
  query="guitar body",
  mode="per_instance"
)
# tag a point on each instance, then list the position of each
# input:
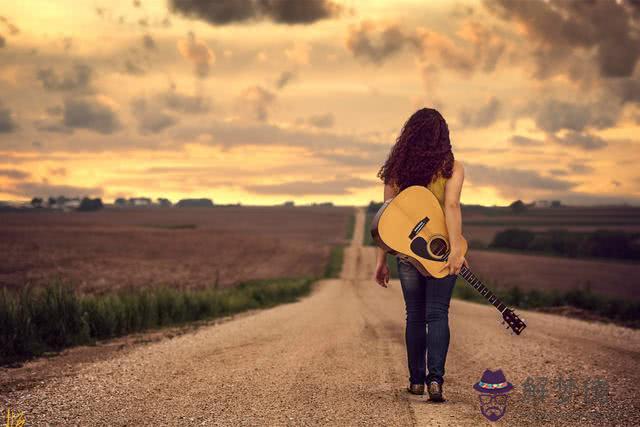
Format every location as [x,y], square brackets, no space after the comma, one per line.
[413,225]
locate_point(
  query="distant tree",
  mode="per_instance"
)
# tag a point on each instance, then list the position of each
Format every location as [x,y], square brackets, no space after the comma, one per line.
[88,204]
[518,206]
[288,203]
[555,203]
[51,201]
[201,203]
[120,201]
[164,202]
[36,202]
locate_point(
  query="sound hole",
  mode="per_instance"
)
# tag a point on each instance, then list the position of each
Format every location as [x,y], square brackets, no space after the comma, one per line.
[438,247]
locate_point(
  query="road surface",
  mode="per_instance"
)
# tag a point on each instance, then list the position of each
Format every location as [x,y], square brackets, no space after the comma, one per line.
[337,357]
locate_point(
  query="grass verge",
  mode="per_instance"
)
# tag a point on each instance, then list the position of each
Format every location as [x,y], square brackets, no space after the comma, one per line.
[582,303]
[40,319]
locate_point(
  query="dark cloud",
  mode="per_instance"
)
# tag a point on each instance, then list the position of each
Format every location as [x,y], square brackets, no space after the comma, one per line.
[148,42]
[183,103]
[91,114]
[525,141]
[132,68]
[78,77]
[609,29]
[151,119]
[14,173]
[513,179]
[552,115]
[45,190]
[579,167]
[376,42]
[222,12]
[13,30]
[256,102]
[484,116]
[303,188]
[321,120]
[7,124]
[583,140]
[284,79]
[198,53]
[477,47]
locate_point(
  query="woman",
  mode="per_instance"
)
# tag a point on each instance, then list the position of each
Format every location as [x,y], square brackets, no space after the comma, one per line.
[422,156]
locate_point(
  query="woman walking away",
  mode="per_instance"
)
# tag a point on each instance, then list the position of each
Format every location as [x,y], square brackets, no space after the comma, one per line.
[422,156]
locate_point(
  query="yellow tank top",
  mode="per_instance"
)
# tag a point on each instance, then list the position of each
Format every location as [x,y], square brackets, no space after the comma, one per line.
[436,186]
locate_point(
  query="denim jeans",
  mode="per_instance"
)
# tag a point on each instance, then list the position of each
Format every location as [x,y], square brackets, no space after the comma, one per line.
[427,323]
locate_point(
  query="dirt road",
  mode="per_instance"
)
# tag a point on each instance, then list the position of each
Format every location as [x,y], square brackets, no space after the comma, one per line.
[337,357]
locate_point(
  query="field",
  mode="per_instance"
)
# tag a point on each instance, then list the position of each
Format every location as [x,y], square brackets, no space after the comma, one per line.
[181,247]
[543,272]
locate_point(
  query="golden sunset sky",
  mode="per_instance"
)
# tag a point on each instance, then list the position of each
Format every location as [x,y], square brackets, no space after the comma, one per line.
[260,102]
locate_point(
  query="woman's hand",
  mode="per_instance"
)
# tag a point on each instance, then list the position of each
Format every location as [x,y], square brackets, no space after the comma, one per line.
[455,262]
[382,274]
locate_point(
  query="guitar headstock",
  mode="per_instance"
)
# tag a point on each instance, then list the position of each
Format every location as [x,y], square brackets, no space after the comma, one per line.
[512,320]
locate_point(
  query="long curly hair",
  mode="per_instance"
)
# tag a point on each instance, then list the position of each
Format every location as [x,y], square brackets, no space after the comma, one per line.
[422,150]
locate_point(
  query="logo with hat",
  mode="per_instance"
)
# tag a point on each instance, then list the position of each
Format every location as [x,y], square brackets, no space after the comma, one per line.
[494,393]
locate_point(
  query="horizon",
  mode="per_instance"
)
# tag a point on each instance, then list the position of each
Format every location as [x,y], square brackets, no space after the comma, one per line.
[173,100]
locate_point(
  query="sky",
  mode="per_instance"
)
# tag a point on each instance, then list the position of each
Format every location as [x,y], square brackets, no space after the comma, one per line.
[264,101]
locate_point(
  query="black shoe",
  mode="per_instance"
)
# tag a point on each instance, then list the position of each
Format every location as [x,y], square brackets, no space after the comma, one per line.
[435,392]
[416,388]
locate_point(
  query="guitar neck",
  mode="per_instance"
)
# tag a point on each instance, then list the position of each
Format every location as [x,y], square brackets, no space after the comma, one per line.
[482,289]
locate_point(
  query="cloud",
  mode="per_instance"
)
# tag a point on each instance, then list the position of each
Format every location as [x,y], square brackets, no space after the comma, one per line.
[148,42]
[13,30]
[45,190]
[321,120]
[509,178]
[525,141]
[553,115]
[299,53]
[256,102]
[151,119]
[305,187]
[3,42]
[483,116]
[284,79]
[90,113]
[77,78]
[14,173]
[223,12]
[579,167]
[604,30]
[183,103]
[7,124]
[198,53]
[583,140]
[375,42]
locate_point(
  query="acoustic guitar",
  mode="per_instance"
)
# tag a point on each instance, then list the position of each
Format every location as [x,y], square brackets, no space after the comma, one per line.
[412,226]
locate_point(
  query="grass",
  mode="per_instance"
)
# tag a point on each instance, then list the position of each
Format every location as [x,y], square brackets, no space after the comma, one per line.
[621,311]
[44,318]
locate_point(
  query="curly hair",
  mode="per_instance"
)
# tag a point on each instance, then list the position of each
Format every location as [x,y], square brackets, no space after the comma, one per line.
[422,150]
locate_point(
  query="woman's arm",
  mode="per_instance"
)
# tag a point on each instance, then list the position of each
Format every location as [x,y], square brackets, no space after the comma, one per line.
[389,193]
[453,216]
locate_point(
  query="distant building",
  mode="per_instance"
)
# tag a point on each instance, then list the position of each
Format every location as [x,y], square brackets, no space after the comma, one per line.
[542,203]
[288,203]
[555,204]
[140,201]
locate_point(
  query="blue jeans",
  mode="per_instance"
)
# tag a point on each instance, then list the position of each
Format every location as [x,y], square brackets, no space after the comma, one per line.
[427,328]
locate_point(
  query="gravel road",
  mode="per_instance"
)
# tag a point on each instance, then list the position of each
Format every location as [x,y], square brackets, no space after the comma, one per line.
[337,357]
